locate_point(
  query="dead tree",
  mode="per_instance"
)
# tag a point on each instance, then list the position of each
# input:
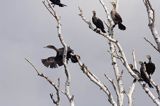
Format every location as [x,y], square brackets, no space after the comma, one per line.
[151,25]
[116,53]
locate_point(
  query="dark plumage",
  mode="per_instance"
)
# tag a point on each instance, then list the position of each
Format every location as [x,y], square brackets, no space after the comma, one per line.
[50,62]
[144,74]
[150,67]
[57,60]
[117,18]
[57,2]
[60,51]
[97,22]
[74,58]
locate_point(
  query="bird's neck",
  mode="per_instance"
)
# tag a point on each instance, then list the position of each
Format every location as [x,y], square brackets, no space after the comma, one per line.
[94,14]
[114,8]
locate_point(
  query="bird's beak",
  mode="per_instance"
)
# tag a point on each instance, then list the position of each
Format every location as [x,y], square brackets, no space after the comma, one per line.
[140,62]
[148,56]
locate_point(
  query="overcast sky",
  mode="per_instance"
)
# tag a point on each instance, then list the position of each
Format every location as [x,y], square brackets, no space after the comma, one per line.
[26,27]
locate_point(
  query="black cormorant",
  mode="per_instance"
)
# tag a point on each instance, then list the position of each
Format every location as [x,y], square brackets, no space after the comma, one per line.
[116,17]
[144,74]
[57,2]
[97,22]
[57,60]
[60,51]
[150,67]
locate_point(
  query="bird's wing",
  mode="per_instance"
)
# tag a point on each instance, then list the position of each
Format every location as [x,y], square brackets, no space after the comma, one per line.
[100,23]
[49,62]
[118,17]
[58,1]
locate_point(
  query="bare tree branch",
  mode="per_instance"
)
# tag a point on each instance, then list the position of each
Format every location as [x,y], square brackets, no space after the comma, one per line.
[151,44]
[132,88]
[96,81]
[130,94]
[121,52]
[68,78]
[156,36]
[109,37]
[112,49]
[151,19]
[57,93]
[150,94]
[113,84]
[57,88]
[117,75]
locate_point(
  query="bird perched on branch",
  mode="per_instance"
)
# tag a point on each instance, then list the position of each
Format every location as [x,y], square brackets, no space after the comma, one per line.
[55,61]
[57,2]
[144,74]
[150,67]
[116,17]
[97,22]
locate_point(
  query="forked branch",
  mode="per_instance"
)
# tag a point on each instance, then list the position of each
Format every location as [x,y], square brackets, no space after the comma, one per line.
[56,87]
[68,78]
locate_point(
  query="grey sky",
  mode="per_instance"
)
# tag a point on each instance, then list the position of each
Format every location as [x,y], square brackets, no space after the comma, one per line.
[26,27]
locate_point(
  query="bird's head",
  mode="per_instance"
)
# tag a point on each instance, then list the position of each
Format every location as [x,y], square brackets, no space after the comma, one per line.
[131,66]
[94,12]
[113,4]
[51,47]
[148,57]
[141,63]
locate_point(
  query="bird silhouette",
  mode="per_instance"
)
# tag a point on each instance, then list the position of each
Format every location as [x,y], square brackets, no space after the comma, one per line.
[150,66]
[57,2]
[116,17]
[144,74]
[97,22]
[55,61]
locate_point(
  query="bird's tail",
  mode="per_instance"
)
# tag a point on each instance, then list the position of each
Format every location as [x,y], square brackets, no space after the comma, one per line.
[74,58]
[45,63]
[150,85]
[62,5]
[103,30]
[49,62]
[148,82]
[121,26]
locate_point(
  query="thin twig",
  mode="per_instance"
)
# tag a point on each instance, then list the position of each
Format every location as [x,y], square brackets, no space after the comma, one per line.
[50,82]
[151,23]
[68,78]
[132,88]
[151,44]
[113,84]
[96,81]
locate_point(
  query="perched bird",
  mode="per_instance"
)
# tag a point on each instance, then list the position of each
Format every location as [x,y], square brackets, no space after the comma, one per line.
[97,22]
[57,2]
[150,67]
[55,61]
[136,72]
[116,17]
[144,74]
